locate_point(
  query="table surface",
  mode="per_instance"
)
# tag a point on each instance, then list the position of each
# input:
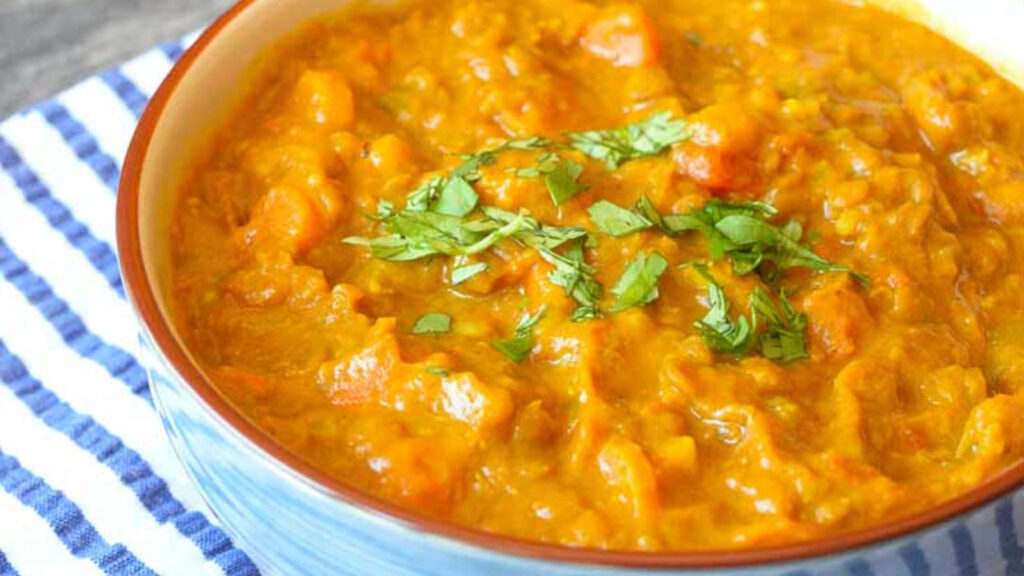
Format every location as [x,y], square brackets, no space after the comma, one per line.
[47,45]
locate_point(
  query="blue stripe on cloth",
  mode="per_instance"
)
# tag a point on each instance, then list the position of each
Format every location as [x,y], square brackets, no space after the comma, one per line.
[859,567]
[69,325]
[5,567]
[126,90]
[963,549]
[81,142]
[173,50]
[67,521]
[1009,545]
[98,252]
[133,471]
[913,558]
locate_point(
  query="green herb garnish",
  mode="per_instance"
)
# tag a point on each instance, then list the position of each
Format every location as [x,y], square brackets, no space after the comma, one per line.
[783,338]
[616,221]
[776,329]
[648,137]
[416,235]
[433,323]
[437,371]
[533,233]
[518,348]
[385,208]
[561,176]
[471,163]
[753,242]
[576,277]
[720,331]
[462,273]
[425,195]
[739,230]
[638,285]
[457,198]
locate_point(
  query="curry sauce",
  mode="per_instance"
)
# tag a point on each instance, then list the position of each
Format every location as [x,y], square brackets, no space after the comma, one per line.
[665,275]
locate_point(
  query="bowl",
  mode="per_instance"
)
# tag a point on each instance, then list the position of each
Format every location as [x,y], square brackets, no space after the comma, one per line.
[293,520]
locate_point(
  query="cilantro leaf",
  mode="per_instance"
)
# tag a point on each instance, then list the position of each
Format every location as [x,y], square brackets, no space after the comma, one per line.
[433,323]
[615,220]
[416,235]
[424,196]
[755,241]
[518,348]
[720,332]
[471,163]
[533,233]
[638,285]
[463,273]
[576,277]
[647,137]
[776,329]
[457,198]
[561,176]
[563,181]
[783,338]
[385,208]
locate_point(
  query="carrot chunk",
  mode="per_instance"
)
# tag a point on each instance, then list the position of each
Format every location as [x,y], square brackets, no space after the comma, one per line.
[285,219]
[361,377]
[624,36]
[626,469]
[325,98]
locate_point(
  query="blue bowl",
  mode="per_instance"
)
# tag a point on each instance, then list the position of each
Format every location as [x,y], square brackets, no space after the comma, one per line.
[291,525]
[292,520]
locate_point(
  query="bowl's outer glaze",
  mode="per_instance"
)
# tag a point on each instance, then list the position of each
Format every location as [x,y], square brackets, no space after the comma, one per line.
[298,523]
[292,527]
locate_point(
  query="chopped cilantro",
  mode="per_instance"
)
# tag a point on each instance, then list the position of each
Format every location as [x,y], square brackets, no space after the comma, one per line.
[385,208]
[776,329]
[720,331]
[783,338]
[615,220]
[647,137]
[457,198]
[576,277]
[561,176]
[518,347]
[433,323]
[638,285]
[462,273]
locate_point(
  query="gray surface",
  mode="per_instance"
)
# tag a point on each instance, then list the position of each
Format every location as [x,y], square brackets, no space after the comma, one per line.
[46,45]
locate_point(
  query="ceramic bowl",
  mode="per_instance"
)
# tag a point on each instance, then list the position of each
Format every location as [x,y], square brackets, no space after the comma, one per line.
[293,520]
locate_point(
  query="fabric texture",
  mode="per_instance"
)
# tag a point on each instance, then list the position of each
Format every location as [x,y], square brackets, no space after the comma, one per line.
[89,484]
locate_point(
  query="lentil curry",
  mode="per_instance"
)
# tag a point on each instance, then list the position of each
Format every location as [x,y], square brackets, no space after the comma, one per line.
[666,275]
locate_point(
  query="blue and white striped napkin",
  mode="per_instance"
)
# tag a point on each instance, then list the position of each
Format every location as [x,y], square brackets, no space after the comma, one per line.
[88,482]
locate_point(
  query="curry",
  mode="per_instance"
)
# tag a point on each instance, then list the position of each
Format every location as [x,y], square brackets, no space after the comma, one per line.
[665,275]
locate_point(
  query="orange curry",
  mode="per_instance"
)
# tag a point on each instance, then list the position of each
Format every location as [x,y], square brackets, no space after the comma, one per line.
[664,275]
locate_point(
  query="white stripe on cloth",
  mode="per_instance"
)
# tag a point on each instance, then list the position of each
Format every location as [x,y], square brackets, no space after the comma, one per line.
[110,506]
[191,38]
[89,390]
[147,71]
[65,269]
[69,180]
[103,114]
[31,546]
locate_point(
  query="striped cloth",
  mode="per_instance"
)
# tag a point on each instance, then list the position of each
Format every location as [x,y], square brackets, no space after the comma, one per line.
[88,481]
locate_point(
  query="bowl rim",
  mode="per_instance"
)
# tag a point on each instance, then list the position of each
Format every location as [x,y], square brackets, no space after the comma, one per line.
[157,326]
